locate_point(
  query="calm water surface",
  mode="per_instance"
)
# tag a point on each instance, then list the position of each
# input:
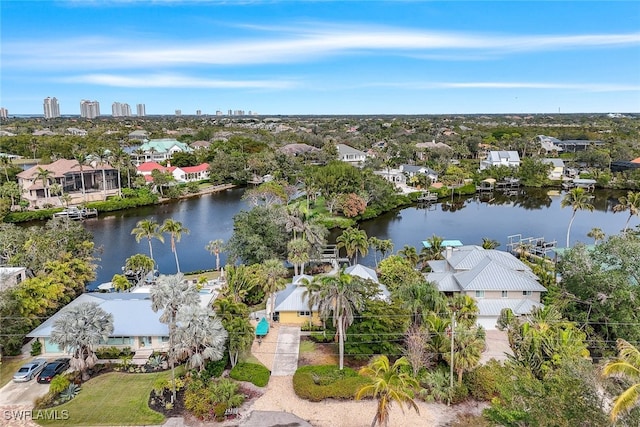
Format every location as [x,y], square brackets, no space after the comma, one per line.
[534,213]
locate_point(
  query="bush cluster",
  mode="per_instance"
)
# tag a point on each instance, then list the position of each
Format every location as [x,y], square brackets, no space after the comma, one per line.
[252,372]
[113,352]
[315,383]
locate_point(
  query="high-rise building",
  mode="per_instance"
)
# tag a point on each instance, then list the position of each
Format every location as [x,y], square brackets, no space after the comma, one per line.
[89,109]
[4,113]
[140,109]
[120,110]
[198,112]
[51,108]
[178,112]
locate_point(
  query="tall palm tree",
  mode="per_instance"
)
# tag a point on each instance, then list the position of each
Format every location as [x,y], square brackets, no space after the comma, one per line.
[240,281]
[200,336]
[354,241]
[80,329]
[339,295]
[101,156]
[578,199]
[298,254]
[434,250]
[169,295]
[175,229]
[390,383]
[81,157]
[488,243]
[631,203]
[272,271]
[467,350]
[420,299]
[215,247]
[149,229]
[627,365]
[44,175]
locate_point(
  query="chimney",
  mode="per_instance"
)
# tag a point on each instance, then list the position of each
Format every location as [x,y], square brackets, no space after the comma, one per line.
[448,252]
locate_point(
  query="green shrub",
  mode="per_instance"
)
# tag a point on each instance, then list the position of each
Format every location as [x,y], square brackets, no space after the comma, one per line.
[482,381]
[58,384]
[38,215]
[213,369]
[322,337]
[316,383]
[113,352]
[212,398]
[252,372]
[36,348]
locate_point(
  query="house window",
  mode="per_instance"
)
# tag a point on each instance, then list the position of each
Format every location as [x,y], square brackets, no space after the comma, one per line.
[164,339]
[479,294]
[526,293]
[505,294]
[304,314]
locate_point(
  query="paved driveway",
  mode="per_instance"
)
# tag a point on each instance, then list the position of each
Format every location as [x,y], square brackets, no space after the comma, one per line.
[285,362]
[22,393]
[497,346]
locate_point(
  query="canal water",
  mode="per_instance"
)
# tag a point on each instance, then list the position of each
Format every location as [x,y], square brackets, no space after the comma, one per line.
[531,213]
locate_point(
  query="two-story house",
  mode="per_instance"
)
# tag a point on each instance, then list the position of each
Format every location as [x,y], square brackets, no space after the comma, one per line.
[500,158]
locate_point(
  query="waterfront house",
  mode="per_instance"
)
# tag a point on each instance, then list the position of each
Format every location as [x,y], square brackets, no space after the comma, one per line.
[496,279]
[412,170]
[557,168]
[500,158]
[157,150]
[180,174]
[100,181]
[135,324]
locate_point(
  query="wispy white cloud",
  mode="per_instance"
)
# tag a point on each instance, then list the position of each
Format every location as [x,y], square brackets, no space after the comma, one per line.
[176,81]
[584,87]
[295,44]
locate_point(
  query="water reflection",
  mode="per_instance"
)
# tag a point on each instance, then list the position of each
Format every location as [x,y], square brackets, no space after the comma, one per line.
[531,213]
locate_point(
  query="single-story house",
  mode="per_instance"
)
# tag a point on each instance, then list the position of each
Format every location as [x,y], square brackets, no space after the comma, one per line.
[412,170]
[139,135]
[180,174]
[496,279]
[135,324]
[500,158]
[292,303]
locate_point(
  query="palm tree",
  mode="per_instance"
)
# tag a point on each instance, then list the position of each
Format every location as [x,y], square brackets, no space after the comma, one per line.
[175,229]
[410,254]
[488,243]
[338,295]
[354,241]
[102,156]
[81,158]
[44,175]
[627,365]
[390,383]
[215,247]
[467,351]
[630,202]
[596,234]
[80,329]
[298,254]
[272,271]
[380,245]
[578,199]
[239,282]
[200,336]
[433,251]
[5,162]
[148,228]
[420,299]
[140,265]
[169,295]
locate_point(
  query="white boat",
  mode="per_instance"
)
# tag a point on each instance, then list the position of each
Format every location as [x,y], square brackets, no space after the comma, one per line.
[74,212]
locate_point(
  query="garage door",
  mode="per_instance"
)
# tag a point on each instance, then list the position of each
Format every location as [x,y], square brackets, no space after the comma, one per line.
[488,322]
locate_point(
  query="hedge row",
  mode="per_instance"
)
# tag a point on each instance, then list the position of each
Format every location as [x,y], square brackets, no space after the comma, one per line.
[315,383]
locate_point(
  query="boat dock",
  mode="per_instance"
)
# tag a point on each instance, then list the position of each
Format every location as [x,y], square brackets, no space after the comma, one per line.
[534,247]
[76,213]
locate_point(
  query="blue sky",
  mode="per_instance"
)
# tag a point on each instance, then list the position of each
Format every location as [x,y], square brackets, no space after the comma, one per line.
[322,57]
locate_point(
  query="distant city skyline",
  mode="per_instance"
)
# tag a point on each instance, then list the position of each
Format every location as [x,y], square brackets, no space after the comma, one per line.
[326,57]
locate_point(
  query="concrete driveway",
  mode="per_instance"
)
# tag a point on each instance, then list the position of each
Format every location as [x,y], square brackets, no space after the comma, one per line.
[23,394]
[285,361]
[497,346]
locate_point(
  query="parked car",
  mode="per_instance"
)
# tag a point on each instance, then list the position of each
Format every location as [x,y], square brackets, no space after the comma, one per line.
[29,370]
[52,369]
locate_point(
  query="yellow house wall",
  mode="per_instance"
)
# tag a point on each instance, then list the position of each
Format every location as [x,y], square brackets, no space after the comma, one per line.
[292,318]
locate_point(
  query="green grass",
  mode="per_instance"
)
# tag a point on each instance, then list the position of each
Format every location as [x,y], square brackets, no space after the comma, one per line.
[114,398]
[307,346]
[9,366]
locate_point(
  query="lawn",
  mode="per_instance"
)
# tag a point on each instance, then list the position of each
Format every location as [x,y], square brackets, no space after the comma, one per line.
[114,398]
[9,366]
